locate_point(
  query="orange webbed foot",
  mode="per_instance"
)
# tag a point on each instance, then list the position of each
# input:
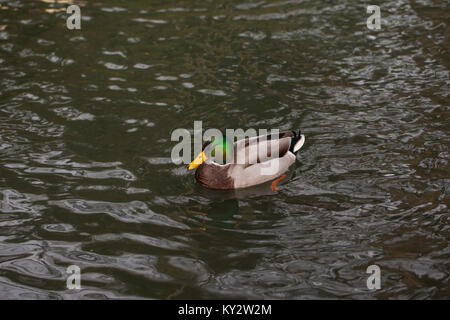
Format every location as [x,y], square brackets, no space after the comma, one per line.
[273,186]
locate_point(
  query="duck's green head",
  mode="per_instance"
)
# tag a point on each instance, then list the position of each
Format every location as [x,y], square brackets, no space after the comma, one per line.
[216,149]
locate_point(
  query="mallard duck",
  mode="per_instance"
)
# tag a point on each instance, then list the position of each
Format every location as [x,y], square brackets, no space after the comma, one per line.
[253,160]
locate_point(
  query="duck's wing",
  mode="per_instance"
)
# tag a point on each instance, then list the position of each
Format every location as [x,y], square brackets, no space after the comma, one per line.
[259,149]
[261,172]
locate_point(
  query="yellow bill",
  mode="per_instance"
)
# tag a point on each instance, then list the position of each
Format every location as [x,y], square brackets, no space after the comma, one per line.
[197,161]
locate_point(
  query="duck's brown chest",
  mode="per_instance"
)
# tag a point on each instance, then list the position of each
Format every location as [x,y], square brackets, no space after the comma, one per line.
[214,176]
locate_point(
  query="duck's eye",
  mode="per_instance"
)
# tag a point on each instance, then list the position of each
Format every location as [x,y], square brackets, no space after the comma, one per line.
[205,144]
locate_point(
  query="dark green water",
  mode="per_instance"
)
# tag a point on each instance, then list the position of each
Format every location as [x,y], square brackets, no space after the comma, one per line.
[86,177]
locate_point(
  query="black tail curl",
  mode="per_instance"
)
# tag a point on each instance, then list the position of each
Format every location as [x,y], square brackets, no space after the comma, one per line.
[295,138]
